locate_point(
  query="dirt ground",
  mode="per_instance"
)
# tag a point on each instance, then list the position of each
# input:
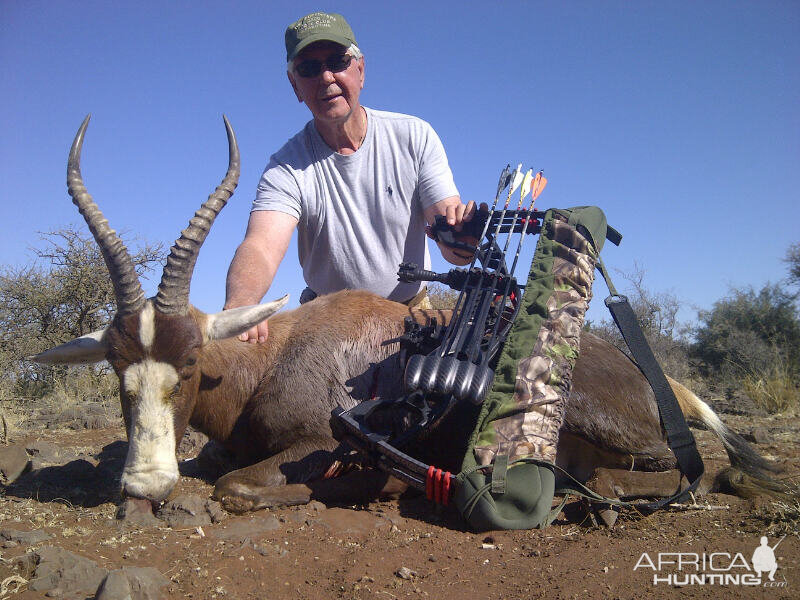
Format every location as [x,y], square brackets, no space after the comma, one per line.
[403,549]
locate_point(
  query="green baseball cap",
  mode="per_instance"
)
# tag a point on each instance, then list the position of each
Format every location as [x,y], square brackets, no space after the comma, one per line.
[317,27]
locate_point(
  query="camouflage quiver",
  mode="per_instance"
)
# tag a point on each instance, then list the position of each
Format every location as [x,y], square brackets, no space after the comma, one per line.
[507,479]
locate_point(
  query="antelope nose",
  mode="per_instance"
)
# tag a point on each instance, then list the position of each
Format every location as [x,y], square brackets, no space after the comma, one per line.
[153,485]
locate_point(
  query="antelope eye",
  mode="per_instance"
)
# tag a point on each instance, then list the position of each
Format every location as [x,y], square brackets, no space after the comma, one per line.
[191,361]
[176,388]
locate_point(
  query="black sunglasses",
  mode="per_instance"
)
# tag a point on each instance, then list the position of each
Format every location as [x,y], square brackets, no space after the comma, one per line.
[336,63]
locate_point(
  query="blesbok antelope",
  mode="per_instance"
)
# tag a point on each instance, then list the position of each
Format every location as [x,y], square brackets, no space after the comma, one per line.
[270,404]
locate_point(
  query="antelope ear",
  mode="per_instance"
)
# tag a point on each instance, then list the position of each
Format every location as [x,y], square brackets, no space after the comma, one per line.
[229,323]
[89,348]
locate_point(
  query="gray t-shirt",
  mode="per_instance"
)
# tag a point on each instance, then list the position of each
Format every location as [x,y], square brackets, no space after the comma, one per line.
[360,215]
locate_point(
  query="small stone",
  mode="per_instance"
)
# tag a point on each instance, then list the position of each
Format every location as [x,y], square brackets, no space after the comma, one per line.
[758,435]
[192,442]
[137,511]
[186,510]
[405,573]
[215,511]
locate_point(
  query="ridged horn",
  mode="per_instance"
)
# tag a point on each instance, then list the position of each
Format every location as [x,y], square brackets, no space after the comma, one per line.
[128,290]
[173,291]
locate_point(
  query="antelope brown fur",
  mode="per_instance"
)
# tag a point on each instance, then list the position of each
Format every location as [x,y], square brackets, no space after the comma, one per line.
[270,404]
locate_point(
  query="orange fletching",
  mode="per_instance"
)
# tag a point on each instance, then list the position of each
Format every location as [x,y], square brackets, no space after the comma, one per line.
[538,185]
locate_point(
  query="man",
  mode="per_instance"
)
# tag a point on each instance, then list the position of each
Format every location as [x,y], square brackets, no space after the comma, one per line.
[358,184]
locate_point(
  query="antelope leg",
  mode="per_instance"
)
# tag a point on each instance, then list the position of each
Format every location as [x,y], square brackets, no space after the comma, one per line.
[354,487]
[304,467]
[625,485]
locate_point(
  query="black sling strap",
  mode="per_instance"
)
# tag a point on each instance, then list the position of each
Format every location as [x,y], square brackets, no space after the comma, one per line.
[679,437]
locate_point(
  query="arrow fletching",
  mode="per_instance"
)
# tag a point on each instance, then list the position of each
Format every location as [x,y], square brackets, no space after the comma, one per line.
[505,177]
[538,185]
[526,185]
[517,179]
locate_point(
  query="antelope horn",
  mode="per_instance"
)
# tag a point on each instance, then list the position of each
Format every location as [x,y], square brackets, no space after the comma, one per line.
[127,289]
[173,291]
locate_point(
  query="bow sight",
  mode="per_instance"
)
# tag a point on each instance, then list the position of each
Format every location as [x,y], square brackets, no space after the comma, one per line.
[451,363]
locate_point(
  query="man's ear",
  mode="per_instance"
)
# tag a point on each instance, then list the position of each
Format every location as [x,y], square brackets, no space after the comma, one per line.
[294,86]
[362,68]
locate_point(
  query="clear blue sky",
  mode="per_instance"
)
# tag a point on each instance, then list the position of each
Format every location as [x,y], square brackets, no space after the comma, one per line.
[680,119]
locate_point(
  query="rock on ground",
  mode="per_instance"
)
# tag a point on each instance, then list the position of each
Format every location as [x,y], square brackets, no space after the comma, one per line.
[25,538]
[758,435]
[137,511]
[241,530]
[114,587]
[14,461]
[132,583]
[48,453]
[191,442]
[185,510]
[59,568]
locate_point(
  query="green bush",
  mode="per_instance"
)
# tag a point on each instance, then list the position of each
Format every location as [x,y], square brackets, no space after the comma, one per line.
[748,332]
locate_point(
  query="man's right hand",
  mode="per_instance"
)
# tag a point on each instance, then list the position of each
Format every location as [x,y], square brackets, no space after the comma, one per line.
[257,334]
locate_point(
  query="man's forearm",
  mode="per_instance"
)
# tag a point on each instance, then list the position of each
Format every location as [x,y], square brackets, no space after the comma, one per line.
[249,277]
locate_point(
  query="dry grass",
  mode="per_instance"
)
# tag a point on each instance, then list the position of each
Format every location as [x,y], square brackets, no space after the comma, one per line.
[12,585]
[80,394]
[12,414]
[775,391]
[84,385]
[782,517]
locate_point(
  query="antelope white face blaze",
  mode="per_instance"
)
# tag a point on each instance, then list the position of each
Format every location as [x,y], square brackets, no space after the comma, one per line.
[147,326]
[151,469]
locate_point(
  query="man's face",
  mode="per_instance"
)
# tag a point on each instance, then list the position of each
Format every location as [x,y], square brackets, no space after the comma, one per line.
[330,96]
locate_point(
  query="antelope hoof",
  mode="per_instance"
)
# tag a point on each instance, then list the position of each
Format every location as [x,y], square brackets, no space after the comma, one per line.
[238,498]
